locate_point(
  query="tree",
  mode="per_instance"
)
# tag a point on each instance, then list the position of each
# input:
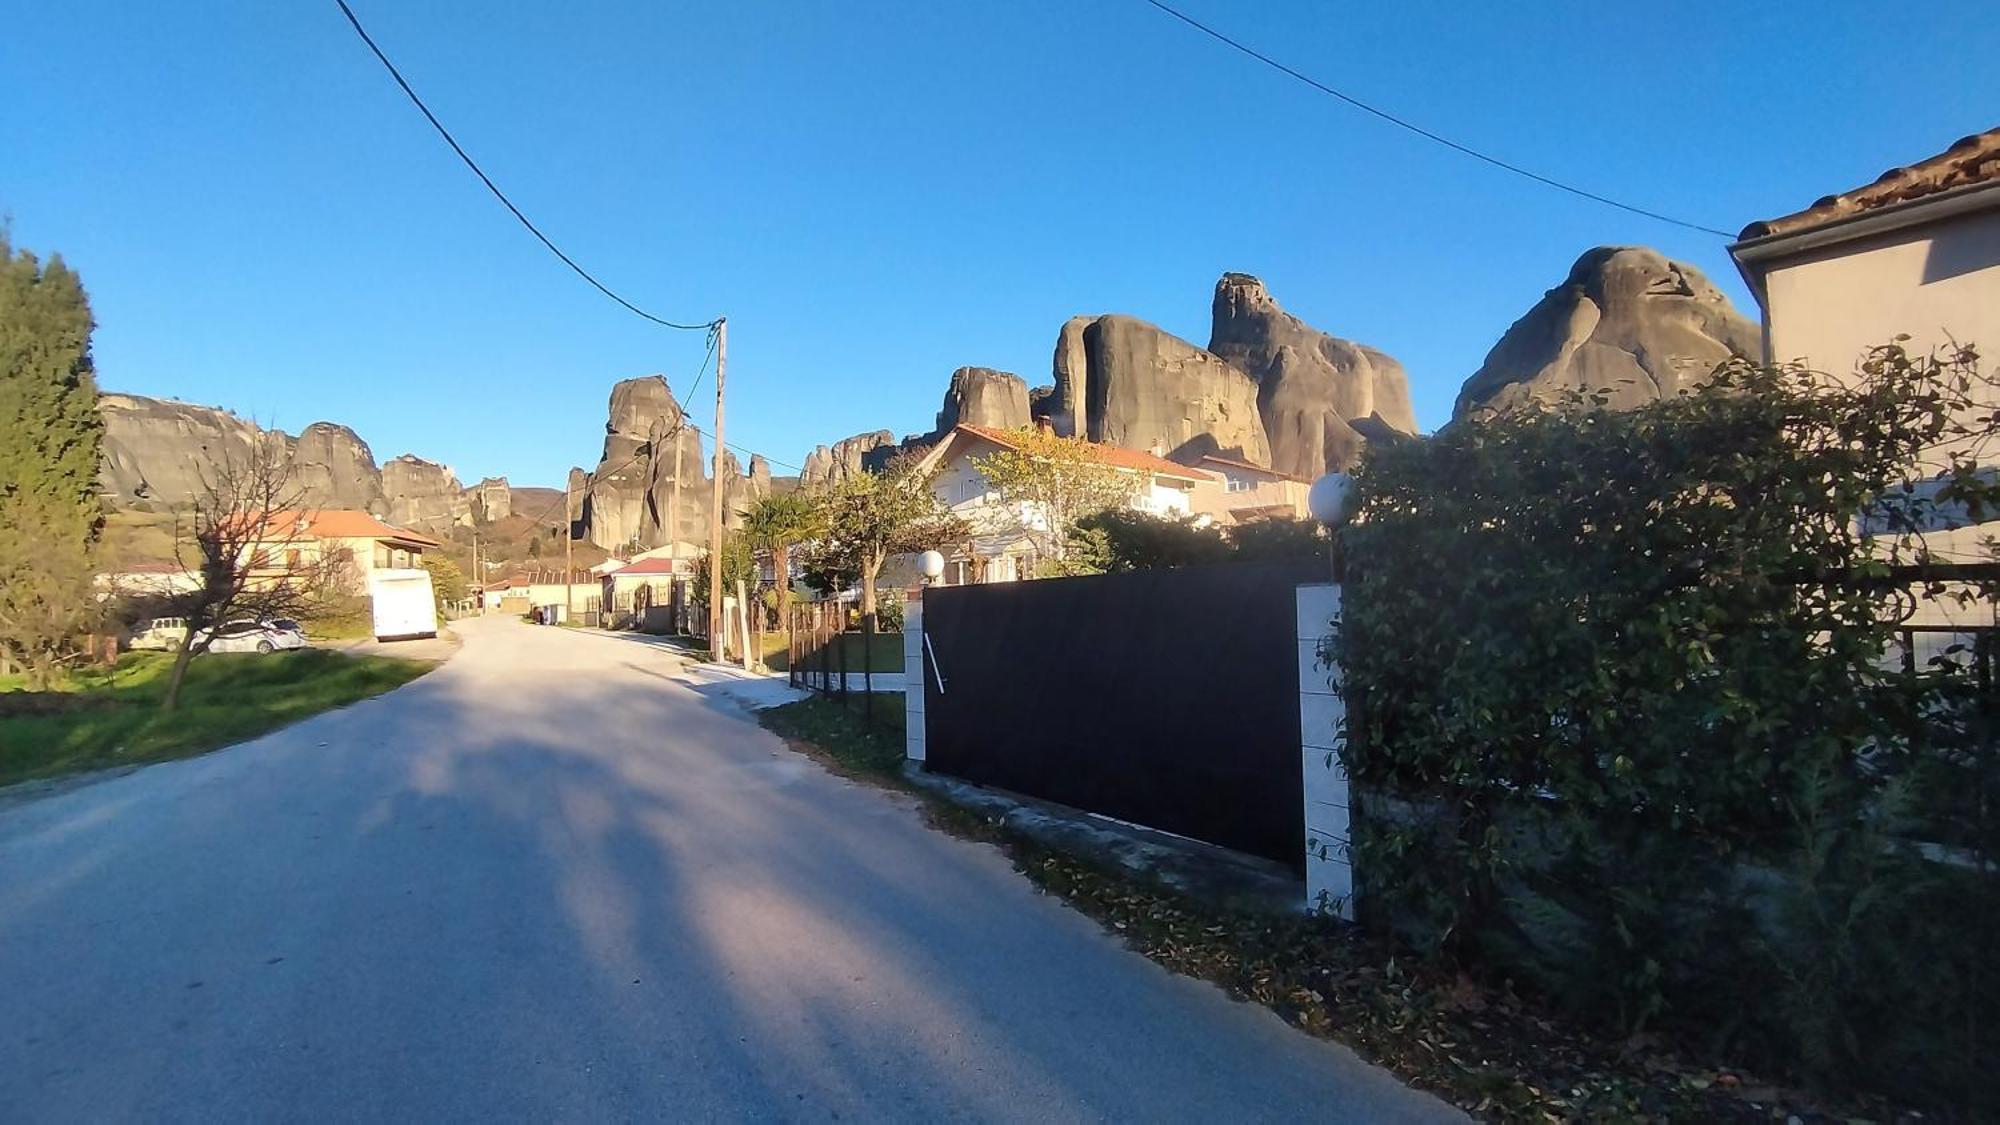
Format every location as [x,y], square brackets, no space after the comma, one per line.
[870,516]
[447,581]
[738,565]
[1117,540]
[240,526]
[50,434]
[777,523]
[1048,482]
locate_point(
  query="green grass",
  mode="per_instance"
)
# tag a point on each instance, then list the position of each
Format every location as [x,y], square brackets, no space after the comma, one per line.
[111,717]
[885,655]
[838,733]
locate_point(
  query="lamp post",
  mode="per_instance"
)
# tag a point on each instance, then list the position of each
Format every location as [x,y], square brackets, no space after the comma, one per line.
[931,565]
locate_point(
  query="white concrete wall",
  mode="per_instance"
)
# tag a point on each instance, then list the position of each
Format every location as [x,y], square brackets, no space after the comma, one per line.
[914,672]
[1330,882]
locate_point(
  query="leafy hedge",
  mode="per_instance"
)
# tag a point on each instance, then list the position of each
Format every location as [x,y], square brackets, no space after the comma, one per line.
[1622,725]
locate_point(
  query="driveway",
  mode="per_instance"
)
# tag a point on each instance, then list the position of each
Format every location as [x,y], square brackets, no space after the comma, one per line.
[550,881]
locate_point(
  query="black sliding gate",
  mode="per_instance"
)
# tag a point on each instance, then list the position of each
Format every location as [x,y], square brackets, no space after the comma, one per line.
[1168,698]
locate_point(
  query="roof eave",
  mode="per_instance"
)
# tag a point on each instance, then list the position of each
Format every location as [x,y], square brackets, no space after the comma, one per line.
[1754,255]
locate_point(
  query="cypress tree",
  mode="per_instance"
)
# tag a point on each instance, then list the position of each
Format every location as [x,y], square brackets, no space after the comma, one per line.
[50,441]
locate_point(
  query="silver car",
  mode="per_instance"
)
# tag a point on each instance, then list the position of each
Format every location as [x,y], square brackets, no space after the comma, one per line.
[253,636]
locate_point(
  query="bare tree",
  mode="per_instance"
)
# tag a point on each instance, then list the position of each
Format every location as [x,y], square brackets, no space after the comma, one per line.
[244,515]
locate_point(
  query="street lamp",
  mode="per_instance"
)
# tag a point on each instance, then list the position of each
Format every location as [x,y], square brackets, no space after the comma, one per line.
[1327,500]
[931,565]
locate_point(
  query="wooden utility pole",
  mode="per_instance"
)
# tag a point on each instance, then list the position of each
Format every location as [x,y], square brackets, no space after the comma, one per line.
[478,575]
[674,520]
[569,554]
[715,499]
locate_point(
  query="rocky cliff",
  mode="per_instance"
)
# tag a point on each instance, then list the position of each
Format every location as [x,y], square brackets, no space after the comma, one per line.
[158,453]
[981,396]
[1312,388]
[631,496]
[1627,321]
[844,458]
[336,469]
[1124,382]
[423,494]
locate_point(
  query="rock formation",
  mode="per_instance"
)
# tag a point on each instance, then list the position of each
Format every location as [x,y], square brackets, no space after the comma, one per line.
[423,494]
[846,457]
[334,468]
[159,453]
[1312,388]
[981,396]
[631,496]
[1628,321]
[1124,382]
[491,499]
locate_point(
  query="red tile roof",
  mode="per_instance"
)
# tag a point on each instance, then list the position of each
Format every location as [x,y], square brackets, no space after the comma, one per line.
[1973,161]
[645,566]
[341,523]
[1104,454]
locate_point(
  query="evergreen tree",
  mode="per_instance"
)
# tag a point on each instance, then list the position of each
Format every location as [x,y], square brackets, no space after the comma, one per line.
[50,434]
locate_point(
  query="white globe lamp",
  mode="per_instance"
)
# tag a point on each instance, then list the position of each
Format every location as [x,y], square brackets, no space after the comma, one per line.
[1328,498]
[931,565]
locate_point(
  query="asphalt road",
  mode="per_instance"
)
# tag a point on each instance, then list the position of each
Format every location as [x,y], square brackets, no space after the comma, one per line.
[548,881]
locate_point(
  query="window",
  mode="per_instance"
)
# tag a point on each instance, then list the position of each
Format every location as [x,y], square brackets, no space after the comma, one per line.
[292,559]
[1241,484]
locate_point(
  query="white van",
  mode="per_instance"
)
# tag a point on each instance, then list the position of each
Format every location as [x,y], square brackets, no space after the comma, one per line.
[404,606]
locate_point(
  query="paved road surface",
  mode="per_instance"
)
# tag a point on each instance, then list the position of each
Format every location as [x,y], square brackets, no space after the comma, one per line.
[549,881]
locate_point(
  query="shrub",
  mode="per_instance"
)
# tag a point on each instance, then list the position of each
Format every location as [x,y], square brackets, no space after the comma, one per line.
[1621,723]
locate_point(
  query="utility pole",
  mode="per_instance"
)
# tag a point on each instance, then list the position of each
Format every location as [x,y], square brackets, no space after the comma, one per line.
[674,518]
[715,500]
[569,549]
[478,575]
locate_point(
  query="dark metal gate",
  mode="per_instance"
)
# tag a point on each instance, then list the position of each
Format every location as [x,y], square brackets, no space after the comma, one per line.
[1168,698]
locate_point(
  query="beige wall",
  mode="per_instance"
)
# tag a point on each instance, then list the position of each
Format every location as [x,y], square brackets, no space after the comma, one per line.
[1215,499]
[1933,282]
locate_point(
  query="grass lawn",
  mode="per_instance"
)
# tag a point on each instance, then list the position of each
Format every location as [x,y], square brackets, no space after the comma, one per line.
[839,734]
[111,716]
[885,655]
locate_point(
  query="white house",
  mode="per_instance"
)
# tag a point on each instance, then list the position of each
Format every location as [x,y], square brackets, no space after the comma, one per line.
[1002,548]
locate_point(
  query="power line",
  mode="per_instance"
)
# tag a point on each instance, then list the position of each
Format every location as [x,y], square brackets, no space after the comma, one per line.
[494,188]
[1426,133]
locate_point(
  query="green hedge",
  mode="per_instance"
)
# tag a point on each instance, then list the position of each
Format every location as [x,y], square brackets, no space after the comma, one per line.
[1621,725]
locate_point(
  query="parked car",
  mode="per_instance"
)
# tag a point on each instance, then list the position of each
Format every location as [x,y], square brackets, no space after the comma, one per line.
[159,633]
[252,636]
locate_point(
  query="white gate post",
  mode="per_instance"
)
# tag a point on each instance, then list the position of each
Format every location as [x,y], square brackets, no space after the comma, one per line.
[1329,866]
[913,674]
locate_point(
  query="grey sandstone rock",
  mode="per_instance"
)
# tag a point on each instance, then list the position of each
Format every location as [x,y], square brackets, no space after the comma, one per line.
[1628,321]
[1313,389]
[981,396]
[333,468]
[424,495]
[1124,382]
[160,452]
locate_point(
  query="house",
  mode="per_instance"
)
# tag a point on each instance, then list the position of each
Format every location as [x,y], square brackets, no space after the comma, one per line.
[1003,546]
[1915,253]
[520,592]
[148,580]
[356,544]
[641,590]
[1240,492]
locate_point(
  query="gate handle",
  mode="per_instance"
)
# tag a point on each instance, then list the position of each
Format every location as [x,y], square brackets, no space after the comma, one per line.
[935,670]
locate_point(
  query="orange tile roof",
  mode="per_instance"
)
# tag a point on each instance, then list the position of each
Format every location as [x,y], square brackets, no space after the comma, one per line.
[1105,454]
[342,523]
[1973,161]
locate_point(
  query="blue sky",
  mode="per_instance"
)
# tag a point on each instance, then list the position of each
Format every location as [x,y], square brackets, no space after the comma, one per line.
[877,193]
